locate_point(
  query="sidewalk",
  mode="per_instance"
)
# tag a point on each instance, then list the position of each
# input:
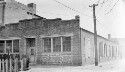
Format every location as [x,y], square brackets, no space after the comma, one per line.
[112,66]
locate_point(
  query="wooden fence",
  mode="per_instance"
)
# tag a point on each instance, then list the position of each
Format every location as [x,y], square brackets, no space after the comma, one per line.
[13,64]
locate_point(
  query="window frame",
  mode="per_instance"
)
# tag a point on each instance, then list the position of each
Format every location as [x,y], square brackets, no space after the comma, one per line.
[18,46]
[56,44]
[66,43]
[44,46]
[54,36]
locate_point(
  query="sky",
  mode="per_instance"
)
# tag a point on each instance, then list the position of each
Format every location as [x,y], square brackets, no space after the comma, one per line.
[110,15]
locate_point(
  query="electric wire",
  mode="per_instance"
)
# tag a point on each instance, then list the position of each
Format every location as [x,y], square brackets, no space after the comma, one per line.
[85,14]
[112,7]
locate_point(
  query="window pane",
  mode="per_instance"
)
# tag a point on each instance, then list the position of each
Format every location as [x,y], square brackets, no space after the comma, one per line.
[9,46]
[66,44]
[32,52]
[31,42]
[16,46]
[57,44]
[47,44]
[1,46]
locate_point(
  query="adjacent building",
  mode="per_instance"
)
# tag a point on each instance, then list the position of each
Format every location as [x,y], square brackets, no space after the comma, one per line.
[12,11]
[57,41]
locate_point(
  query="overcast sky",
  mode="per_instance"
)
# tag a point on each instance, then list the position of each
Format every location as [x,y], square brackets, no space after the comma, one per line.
[108,22]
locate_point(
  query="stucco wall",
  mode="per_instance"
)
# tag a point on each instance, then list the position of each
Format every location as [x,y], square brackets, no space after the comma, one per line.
[15,11]
[88,52]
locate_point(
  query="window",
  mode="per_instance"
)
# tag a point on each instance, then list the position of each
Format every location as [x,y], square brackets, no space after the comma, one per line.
[112,51]
[16,46]
[9,46]
[105,50]
[47,44]
[1,46]
[87,47]
[32,52]
[57,44]
[101,49]
[31,42]
[66,44]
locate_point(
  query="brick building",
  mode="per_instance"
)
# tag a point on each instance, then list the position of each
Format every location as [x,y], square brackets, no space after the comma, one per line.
[56,41]
[12,11]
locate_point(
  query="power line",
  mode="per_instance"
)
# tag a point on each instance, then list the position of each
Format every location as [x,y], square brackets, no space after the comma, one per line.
[105,27]
[54,13]
[112,7]
[82,13]
[70,8]
[103,2]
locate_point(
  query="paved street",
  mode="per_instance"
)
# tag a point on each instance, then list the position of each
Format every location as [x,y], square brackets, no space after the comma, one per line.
[114,66]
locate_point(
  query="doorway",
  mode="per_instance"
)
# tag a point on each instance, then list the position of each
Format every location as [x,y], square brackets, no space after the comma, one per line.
[31,48]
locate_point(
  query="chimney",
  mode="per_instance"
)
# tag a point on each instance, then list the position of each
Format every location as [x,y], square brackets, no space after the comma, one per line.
[33,6]
[109,36]
[77,17]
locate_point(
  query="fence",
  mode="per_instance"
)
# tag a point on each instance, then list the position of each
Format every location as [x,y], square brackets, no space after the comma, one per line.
[10,64]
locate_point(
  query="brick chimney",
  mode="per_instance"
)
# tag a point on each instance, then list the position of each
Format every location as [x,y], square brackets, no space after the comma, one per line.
[33,6]
[109,36]
[77,17]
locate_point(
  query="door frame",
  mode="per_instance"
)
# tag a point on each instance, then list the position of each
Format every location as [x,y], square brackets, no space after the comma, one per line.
[26,37]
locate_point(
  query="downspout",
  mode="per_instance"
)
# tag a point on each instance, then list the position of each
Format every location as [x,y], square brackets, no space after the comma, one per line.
[3,13]
[80,47]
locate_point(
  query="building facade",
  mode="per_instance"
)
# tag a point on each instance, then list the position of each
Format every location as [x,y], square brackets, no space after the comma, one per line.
[60,42]
[12,11]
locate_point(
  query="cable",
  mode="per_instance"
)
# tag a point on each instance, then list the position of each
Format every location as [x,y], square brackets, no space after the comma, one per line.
[54,13]
[112,7]
[106,27]
[98,1]
[104,2]
[71,8]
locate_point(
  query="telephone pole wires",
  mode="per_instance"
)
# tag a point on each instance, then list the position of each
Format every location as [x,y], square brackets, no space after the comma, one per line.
[95,34]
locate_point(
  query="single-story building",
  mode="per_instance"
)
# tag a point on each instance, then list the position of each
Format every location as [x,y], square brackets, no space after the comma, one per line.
[56,41]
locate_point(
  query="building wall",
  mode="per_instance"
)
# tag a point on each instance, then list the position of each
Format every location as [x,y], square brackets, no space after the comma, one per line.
[87,47]
[82,41]
[88,50]
[40,28]
[15,11]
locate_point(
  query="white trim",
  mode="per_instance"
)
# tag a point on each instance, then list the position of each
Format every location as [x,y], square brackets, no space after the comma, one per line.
[9,53]
[10,38]
[36,49]
[61,45]
[12,46]
[19,47]
[56,35]
[30,36]
[51,44]
[5,47]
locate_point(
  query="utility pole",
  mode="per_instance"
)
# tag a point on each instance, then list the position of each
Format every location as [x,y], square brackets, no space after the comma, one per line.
[95,34]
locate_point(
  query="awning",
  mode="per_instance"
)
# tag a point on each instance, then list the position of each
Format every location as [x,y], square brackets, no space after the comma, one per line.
[8,38]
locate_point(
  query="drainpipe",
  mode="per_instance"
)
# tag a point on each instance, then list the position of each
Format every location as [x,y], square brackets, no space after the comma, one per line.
[81,47]
[3,13]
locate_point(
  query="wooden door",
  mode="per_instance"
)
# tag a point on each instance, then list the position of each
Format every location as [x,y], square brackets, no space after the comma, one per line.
[31,48]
